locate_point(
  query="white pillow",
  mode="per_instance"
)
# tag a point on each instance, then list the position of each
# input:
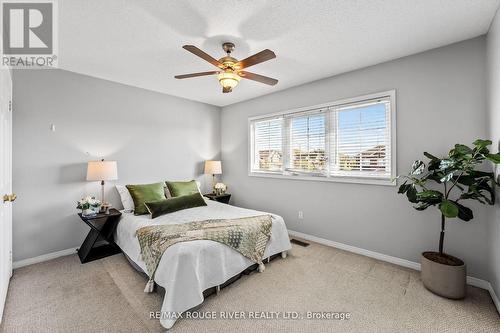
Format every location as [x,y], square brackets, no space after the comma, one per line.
[126,198]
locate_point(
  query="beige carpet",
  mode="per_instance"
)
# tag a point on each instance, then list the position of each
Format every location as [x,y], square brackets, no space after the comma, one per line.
[107,296]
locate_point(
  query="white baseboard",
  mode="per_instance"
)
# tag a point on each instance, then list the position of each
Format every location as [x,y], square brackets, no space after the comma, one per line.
[494,297]
[358,250]
[480,283]
[43,257]
[473,281]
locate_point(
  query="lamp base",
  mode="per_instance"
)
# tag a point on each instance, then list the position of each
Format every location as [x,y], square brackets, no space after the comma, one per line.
[213,183]
[102,192]
[105,208]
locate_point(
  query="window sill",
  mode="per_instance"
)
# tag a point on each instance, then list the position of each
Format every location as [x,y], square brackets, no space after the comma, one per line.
[337,179]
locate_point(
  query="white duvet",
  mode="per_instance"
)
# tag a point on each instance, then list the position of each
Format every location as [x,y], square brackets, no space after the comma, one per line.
[188,268]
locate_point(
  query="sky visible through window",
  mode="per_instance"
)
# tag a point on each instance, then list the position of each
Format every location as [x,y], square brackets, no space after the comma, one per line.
[308,133]
[362,128]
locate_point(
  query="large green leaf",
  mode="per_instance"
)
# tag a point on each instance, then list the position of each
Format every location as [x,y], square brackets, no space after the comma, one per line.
[435,176]
[417,168]
[462,149]
[434,165]
[464,213]
[449,208]
[446,164]
[487,185]
[446,178]
[465,180]
[495,158]
[429,195]
[481,148]
[411,194]
[428,198]
[404,187]
[473,195]
[482,143]
[430,156]
[479,174]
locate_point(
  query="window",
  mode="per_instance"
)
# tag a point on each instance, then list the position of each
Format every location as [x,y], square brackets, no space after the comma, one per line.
[267,145]
[351,140]
[307,143]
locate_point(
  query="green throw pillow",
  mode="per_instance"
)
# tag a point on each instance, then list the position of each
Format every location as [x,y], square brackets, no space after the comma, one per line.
[170,205]
[145,193]
[178,189]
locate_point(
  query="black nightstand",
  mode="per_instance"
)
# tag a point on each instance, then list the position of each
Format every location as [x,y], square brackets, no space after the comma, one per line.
[102,227]
[224,198]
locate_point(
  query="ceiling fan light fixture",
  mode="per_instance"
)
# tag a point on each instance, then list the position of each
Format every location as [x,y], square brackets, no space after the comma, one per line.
[228,80]
[230,70]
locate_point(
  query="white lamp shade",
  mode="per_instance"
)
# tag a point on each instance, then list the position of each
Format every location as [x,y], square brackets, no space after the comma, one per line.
[102,170]
[213,167]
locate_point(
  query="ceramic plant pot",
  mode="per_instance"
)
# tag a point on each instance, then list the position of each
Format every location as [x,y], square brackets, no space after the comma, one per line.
[444,275]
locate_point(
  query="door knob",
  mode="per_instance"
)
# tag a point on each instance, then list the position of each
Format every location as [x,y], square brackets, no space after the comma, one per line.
[9,197]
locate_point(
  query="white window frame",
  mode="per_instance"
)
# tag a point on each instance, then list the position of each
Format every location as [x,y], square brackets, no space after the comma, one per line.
[251,139]
[390,94]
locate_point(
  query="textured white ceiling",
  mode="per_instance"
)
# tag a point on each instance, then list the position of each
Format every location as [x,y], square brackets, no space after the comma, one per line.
[138,42]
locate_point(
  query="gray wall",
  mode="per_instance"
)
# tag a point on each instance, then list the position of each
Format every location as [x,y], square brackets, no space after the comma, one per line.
[493,47]
[153,137]
[440,101]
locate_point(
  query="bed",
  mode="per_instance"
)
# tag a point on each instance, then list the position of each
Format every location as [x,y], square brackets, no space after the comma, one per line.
[188,268]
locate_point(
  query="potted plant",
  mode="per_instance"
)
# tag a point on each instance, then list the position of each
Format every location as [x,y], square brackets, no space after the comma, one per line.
[446,183]
[90,206]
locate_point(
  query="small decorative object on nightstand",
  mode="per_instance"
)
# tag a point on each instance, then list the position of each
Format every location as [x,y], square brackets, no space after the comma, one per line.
[224,198]
[220,188]
[102,227]
[90,206]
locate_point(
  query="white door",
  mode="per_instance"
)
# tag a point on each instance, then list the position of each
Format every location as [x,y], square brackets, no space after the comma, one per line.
[6,196]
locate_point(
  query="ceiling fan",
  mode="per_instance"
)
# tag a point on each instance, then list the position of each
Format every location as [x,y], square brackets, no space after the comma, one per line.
[230,69]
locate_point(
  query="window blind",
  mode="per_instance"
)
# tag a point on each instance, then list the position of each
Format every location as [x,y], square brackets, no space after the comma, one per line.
[348,140]
[361,146]
[268,145]
[306,147]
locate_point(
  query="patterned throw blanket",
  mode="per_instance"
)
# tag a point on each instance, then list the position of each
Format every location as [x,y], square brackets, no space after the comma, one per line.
[247,235]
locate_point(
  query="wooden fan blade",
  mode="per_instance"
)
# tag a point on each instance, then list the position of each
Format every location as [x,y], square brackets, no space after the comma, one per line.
[256,59]
[259,78]
[186,76]
[196,51]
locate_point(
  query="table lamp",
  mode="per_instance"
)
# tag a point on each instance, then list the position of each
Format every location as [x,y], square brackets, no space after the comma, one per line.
[213,168]
[100,171]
